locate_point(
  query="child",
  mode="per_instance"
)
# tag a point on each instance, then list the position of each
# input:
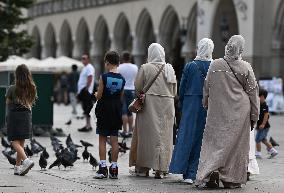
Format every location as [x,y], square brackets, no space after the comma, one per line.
[263,127]
[19,99]
[109,113]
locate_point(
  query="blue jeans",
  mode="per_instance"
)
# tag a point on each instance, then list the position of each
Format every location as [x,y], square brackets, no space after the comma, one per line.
[128,97]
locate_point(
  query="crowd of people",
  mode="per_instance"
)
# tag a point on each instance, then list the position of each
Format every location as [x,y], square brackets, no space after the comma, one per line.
[219,100]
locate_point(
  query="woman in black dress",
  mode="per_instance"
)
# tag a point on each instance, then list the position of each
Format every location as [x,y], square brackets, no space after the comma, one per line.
[19,99]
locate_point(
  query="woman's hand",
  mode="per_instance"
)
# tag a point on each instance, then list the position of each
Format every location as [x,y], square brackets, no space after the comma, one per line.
[141,96]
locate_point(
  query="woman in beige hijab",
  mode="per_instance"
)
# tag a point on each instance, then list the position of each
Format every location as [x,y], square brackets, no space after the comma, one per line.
[231,96]
[152,141]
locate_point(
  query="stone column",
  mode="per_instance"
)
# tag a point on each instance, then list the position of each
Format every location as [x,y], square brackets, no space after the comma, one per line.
[76,48]
[43,50]
[59,51]
[113,43]
[98,64]
[137,51]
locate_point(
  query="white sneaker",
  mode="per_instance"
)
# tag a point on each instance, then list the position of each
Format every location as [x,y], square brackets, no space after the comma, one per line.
[258,155]
[17,170]
[273,152]
[27,165]
[188,181]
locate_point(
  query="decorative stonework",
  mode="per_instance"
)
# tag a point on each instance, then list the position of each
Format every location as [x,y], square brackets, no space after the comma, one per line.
[59,6]
[200,16]
[242,7]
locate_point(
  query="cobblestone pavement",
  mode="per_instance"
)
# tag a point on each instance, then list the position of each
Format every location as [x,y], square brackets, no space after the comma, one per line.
[80,177]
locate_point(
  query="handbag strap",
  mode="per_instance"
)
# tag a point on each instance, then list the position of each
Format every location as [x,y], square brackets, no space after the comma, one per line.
[234,74]
[147,87]
[203,75]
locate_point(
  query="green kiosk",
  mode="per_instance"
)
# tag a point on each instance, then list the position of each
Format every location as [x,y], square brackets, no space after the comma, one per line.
[42,118]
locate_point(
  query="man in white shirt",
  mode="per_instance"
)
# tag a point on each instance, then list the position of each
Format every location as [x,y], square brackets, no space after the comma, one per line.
[85,90]
[129,72]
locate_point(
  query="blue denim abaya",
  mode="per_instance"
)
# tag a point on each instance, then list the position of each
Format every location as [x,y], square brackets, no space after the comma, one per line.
[189,138]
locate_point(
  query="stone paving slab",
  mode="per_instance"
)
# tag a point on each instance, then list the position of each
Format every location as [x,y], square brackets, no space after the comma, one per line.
[80,177]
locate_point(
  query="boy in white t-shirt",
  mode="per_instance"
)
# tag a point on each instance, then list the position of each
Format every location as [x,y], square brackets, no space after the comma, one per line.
[85,90]
[129,72]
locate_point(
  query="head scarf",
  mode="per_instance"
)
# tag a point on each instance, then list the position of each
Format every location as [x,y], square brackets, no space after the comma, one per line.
[204,49]
[156,55]
[235,47]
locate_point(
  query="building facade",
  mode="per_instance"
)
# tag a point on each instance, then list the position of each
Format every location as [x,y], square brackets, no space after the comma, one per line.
[74,27]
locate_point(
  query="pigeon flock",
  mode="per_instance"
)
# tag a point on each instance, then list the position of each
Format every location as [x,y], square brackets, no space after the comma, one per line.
[65,156]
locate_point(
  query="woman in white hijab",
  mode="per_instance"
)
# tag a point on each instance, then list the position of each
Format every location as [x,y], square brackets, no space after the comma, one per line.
[152,141]
[187,149]
[231,96]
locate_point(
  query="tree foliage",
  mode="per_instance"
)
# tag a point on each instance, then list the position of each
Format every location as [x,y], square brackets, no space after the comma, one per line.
[13,41]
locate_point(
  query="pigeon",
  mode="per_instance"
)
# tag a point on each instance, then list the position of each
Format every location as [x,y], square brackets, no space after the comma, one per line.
[123,145]
[69,140]
[86,144]
[67,158]
[69,143]
[28,151]
[109,155]
[42,161]
[5,143]
[68,122]
[11,152]
[121,150]
[273,142]
[57,147]
[41,146]
[93,161]
[36,147]
[85,154]
[11,160]
[57,163]
[54,140]
[45,154]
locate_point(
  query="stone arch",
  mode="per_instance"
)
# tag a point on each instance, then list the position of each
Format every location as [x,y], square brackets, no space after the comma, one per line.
[224,26]
[169,34]
[65,36]
[82,39]
[144,36]
[50,41]
[36,49]
[122,34]
[101,43]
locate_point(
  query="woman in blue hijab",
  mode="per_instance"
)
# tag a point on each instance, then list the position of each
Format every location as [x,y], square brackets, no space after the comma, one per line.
[189,138]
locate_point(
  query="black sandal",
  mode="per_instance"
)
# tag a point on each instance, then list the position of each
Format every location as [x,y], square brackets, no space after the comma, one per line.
[231,185]
[213,180]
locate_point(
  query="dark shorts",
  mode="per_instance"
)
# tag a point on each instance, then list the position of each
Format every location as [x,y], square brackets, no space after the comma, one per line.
[261,134]
[106,132]
[86,100]
[128,97]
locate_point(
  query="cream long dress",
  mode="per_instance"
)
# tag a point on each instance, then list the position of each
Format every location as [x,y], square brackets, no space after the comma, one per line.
[152,142]
[225,145]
